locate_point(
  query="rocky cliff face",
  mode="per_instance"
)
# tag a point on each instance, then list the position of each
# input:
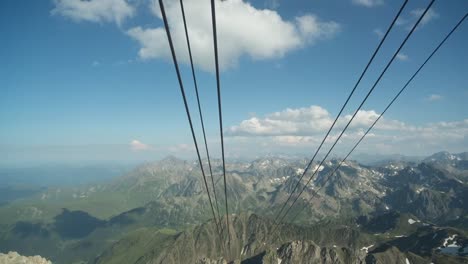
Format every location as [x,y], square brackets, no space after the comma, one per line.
[309,252]
[254,239]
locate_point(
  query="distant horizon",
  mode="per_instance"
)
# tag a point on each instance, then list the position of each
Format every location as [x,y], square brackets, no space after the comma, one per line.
[361,157]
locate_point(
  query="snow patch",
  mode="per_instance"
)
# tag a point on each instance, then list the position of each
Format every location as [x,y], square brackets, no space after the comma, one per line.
[299,171]
[407,261]
[319,168]
[450,238]
[453,248]
[367,248]
[279,180]
[411,221]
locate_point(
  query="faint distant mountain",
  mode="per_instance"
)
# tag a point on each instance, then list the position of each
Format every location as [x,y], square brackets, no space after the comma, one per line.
[448,160]
[379,159]
[54,175]
[445,156]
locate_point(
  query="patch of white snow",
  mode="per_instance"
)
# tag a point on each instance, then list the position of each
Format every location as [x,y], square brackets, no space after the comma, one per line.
[367,248]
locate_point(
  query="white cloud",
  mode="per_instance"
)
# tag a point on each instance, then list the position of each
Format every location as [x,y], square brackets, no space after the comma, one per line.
[243,30]
[303,129]
[304,122]
[154,42]
[287,122]
[378,32]
[95,63]
[434,97]
[429,16]
[115,11]
[136,145]
[402,57]
[368,3]
[401,21]
[414,16]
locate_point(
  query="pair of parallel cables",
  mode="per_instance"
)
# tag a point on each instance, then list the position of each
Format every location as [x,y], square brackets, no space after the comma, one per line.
[187,110]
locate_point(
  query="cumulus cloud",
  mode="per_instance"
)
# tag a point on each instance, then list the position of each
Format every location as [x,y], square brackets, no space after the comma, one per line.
[306,121]
[434,97]
[304,128]
[115,11]
[243,30]
[287,122]
[368,3]
[402,57]
[137,145]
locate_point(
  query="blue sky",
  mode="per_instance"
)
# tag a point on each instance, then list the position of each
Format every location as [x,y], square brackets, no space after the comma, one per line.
[92,80]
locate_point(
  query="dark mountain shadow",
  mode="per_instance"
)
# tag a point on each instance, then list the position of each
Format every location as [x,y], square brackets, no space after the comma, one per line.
[126,218]
[76,224]
[258,259]
[27,229]
[380,223]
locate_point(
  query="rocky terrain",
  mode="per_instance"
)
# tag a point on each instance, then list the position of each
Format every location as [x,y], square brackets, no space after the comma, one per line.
[253,241]
[160,206]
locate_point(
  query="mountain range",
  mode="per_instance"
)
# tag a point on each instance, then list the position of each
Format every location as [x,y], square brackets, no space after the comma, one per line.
[393,211]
